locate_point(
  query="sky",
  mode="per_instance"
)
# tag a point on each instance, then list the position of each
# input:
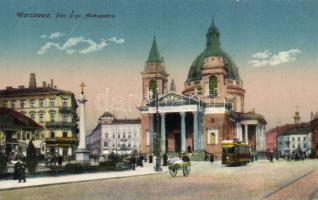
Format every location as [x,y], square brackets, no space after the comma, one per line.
[273,42]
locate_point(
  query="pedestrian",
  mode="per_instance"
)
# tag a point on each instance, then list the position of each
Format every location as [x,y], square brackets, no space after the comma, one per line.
[206,155]
[211,158]
[60,160]
[133,161]
[271,157]
[141,160]
[150,158]
[185,158]
[16,168]
[22,174]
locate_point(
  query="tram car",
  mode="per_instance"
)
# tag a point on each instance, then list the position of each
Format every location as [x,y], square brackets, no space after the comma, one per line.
[235,153]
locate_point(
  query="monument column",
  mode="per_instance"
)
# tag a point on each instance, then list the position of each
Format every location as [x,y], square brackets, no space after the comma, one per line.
[82,154]
[183,132]
[163,133]
[195,131]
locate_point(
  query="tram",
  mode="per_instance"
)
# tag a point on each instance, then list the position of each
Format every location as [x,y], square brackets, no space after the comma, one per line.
[235,153]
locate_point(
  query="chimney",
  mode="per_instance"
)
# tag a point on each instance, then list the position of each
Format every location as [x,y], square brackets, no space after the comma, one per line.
[51,82]
[44,84]
[32,82]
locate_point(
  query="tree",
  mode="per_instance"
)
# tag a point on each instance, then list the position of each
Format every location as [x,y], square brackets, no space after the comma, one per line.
[3,163]
[31,159]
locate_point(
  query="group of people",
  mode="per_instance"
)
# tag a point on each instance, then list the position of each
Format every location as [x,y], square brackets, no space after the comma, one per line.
[209,157]
[138,160]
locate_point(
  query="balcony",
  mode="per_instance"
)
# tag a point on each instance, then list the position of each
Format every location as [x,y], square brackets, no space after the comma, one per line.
[66,109]
[59,124]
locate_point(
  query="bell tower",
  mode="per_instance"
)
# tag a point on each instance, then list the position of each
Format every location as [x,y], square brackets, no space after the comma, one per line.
[154,75]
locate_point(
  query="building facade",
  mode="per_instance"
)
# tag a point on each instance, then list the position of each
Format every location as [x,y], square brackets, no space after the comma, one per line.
[16,131]
[295,139]
[52,108]
[209,110]
[120,136]
[283,134]
[314,129]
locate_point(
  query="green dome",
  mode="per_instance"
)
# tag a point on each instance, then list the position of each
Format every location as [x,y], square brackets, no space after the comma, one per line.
[213,48]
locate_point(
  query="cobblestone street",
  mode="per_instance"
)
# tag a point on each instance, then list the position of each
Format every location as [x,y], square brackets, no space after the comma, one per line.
[255,181]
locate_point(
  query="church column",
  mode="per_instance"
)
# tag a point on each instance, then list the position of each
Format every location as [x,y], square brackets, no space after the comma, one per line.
[163,133]
[246,133]
[195,131]
[183,132]
[258,139]
[151,132]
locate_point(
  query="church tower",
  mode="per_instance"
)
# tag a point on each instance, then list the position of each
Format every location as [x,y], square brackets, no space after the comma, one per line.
[154,75]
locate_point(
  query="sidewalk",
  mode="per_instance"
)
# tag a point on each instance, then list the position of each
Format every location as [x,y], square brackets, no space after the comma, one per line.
[44,181]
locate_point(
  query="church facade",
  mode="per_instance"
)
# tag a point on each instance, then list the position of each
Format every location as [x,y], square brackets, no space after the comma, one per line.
[209,110]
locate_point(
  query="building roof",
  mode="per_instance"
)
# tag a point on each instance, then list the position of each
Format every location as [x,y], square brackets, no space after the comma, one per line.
[154,55]
[213,48]
[32,91]
[284,128]
[126,121]
[297,131]
[252,116]
[106,114]
[13,120]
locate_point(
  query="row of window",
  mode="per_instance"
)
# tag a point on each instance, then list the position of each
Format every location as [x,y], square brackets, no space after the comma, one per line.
[64,132]
[41,103]
[119,145]
[52,116]
[123,136]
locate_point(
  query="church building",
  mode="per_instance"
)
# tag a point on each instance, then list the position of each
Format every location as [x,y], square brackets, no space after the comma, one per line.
[209,110]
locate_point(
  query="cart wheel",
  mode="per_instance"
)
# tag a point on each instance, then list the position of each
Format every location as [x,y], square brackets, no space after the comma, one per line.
[173,172]
[186,171]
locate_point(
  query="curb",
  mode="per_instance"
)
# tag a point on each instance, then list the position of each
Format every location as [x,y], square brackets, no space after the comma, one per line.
[80,181]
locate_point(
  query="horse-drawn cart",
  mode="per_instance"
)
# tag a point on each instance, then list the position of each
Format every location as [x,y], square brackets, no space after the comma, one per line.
[176,166]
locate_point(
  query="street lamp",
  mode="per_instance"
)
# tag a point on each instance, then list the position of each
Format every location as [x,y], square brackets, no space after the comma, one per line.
[157,136]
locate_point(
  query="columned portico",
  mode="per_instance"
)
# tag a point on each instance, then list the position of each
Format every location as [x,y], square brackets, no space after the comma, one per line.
[163,133]
[183,132]
[246,133]
[195,131]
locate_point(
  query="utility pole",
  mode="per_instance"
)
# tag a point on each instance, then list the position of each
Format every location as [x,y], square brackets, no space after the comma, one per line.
[157,136]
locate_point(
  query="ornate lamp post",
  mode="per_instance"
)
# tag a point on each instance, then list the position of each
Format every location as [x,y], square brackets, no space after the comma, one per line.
[157,135]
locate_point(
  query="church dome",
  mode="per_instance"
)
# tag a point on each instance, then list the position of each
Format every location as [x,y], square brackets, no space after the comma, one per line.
[213,48]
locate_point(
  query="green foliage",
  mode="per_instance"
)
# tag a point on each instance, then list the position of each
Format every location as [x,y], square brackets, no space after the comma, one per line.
[3,163]
[31,159]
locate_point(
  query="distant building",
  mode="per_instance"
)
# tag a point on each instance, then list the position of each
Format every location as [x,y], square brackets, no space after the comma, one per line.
[114,135]
[295,139]
[314,129]
[52,108]
[16,131]
[280,138]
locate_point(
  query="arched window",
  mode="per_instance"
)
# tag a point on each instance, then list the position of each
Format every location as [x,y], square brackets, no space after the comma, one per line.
[212,138]
[213,85]
[152,89]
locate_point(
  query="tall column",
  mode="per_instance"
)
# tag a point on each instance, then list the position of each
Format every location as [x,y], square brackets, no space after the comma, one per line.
[246,133]
[163,133]
[183,132]
[195,131]
[82,154]
[151,132]
[82,101]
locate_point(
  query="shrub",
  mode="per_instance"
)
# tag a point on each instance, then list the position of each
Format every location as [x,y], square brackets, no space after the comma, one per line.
[3,163]
[31,159]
